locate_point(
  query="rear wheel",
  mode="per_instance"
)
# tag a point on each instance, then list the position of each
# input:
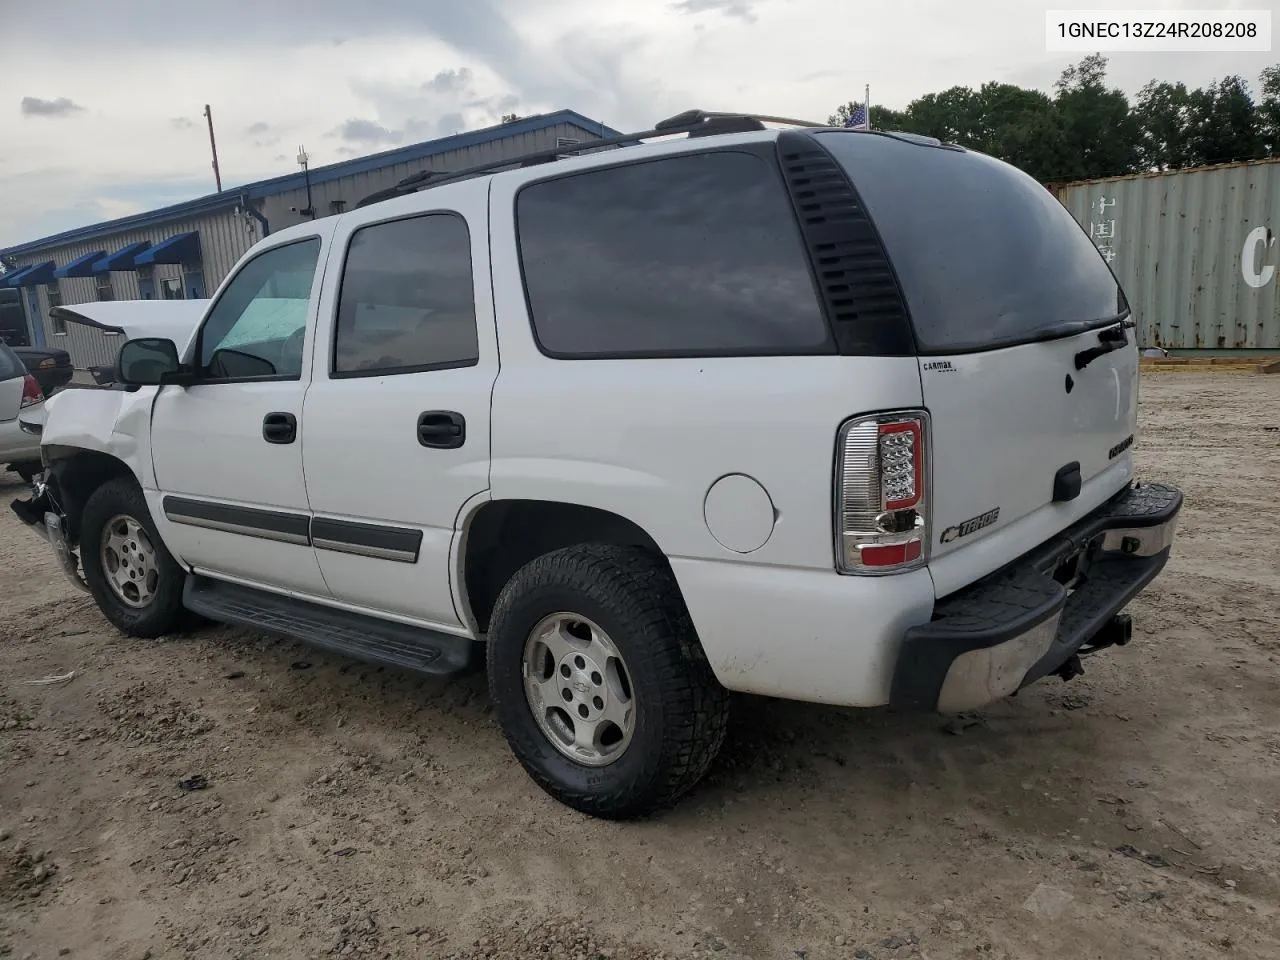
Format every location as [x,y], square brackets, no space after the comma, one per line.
[599,681]
[132,576]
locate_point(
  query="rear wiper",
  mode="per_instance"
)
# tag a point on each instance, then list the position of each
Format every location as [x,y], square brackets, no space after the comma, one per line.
[1109,340]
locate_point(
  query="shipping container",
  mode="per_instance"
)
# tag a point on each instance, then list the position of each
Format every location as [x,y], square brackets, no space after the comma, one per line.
[1195,251]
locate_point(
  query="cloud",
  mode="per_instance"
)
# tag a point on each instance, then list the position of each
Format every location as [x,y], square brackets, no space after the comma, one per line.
[730,8]
[623,64]
[260,142]
[368,131]
[61,107]
[448,81]
[450,124]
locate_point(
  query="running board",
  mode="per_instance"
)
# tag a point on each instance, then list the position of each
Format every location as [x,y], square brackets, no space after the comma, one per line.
[339,631]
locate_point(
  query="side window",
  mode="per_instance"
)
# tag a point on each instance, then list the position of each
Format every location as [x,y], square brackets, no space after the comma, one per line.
[695,255]
[407,302]
[257,326]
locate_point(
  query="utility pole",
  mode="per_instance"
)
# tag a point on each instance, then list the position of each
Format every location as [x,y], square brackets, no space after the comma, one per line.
[213,145]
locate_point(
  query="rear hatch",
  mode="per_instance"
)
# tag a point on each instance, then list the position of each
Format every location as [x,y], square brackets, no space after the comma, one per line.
[1028,363]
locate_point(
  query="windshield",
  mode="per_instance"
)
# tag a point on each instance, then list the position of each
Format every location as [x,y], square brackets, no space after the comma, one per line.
[986,256]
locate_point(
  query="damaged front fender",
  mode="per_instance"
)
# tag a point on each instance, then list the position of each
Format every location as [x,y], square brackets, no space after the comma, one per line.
[88,436]
[115,423]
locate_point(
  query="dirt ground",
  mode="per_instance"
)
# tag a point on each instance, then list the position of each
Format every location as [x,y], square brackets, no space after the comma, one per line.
[352,811]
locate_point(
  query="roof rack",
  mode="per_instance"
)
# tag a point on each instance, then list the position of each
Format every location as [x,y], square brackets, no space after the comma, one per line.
[693,123]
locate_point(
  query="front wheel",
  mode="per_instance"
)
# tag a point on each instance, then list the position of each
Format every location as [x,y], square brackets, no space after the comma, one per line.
[132,576]
[599,682]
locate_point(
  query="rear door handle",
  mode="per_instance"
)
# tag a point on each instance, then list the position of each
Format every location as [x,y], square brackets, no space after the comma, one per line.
[279,428]
[442,429]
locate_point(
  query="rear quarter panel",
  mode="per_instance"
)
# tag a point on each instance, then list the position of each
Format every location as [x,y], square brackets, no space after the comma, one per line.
[646,439]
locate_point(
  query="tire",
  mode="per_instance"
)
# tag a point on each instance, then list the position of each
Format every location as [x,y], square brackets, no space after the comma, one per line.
[28,470]
[680,711]
[163,611]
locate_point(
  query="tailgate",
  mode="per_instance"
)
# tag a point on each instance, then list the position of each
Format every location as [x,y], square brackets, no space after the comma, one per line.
[1021,430]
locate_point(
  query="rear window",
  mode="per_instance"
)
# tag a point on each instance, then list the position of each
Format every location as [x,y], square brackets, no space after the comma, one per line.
[10,365]
[694,255]
[986,256]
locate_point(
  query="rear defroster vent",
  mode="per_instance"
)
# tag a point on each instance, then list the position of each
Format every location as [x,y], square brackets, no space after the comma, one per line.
[859,289]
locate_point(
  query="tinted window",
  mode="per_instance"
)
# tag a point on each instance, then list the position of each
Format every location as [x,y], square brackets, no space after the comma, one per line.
[985,254]
[407,300]
[686,256]
[10,365]
[256,328]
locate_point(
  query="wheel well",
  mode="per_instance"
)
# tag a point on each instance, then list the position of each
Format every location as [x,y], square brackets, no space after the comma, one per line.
[74,478]
[506,534]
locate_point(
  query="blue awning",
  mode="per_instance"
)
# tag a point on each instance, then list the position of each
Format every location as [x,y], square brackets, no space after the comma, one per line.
[37,273]
[80,266]
[122,259]
[181,248]
[11,278]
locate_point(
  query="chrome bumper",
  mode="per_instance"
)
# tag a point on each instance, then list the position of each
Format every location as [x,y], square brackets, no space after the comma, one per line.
[1043,611]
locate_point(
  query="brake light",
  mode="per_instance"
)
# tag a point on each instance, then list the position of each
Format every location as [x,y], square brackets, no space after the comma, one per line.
[31,392]
[881,497]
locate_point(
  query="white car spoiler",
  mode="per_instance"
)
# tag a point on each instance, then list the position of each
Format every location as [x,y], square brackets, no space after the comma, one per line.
[174,320]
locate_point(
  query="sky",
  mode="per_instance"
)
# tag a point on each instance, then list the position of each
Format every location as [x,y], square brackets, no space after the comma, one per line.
[101,107]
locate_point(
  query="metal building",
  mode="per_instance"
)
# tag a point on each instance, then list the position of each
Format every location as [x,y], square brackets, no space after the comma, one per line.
[1195,251]
[184,251]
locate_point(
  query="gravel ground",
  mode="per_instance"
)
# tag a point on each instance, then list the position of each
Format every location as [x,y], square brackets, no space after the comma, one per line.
[352,811]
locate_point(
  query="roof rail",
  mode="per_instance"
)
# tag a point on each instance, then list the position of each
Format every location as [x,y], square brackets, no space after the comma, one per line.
[693,123]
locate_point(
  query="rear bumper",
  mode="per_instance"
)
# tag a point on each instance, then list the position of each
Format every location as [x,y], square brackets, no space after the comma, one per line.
[1031,618]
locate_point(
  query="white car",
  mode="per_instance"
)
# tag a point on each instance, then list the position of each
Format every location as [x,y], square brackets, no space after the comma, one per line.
[21,415]
[821,414]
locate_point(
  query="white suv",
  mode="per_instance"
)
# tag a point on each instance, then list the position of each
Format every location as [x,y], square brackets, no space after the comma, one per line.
[819,414]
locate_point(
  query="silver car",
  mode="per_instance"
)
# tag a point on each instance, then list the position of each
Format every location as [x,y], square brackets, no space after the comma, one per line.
[19,394]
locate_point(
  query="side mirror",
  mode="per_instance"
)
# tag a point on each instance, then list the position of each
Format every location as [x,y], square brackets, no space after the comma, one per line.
[147,361]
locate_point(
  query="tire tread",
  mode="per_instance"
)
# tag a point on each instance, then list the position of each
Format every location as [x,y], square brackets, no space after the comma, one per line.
[165,612]
[640,589]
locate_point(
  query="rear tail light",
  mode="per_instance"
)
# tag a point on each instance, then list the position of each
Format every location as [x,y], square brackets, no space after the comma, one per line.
[31,392]
[881,497]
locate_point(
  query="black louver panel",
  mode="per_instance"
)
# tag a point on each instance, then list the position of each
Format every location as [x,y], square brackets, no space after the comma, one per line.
[859,289]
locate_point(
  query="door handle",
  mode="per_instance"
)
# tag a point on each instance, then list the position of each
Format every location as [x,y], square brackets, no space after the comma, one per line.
[279,428]
[442,429]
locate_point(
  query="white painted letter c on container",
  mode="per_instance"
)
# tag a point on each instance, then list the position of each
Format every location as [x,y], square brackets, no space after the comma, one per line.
[1255,247]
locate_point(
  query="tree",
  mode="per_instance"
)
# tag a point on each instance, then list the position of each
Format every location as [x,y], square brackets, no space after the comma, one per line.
[1163,114]
[1269,109]
[1086,130]
[1099,135]
[1224,125]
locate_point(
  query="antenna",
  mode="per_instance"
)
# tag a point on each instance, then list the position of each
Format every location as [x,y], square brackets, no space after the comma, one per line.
[303,160]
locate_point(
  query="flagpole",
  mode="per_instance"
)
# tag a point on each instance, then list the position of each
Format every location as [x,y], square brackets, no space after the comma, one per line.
[867,104]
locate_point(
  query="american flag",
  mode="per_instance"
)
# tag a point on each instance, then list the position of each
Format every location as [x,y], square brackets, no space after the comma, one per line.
[858,118]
